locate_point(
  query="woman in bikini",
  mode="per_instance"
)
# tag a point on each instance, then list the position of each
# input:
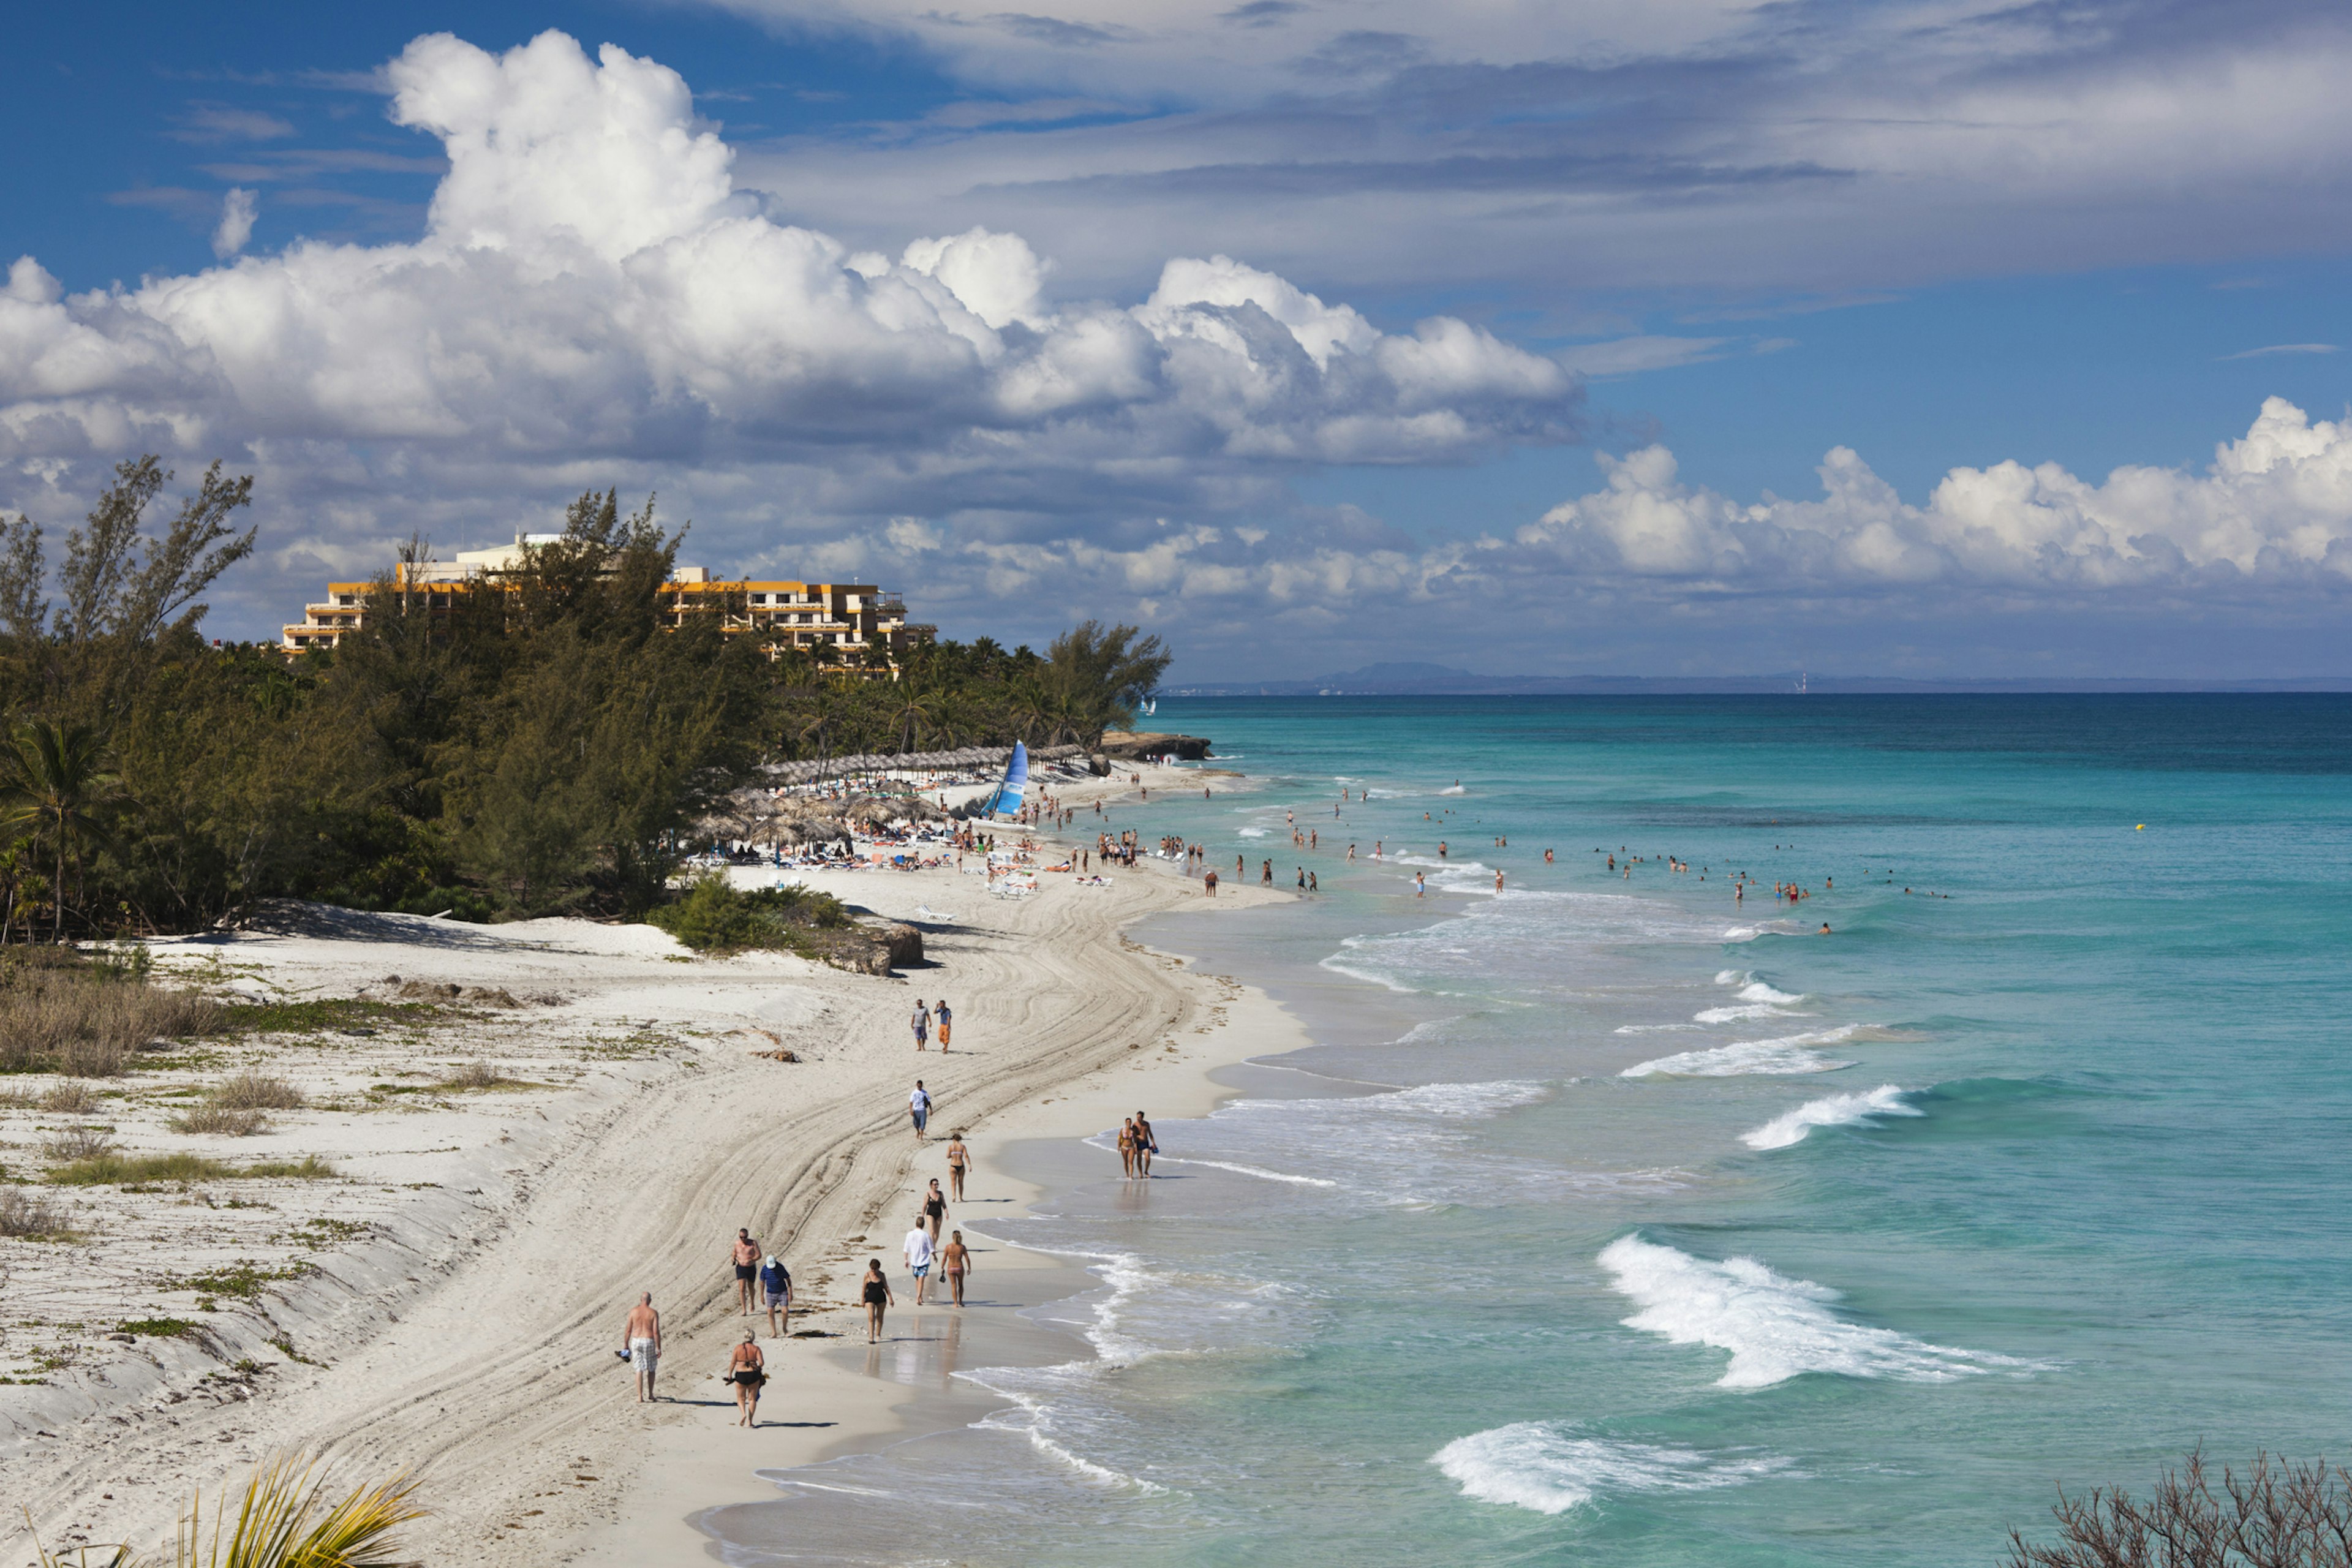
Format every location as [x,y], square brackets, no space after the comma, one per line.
[959,1161]
[1127,1147]
[878,1296]
[747,1370]
[957,1262]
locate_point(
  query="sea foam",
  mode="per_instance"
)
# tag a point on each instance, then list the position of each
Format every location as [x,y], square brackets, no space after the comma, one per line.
[1833,1110]
[1544,1467]
[1775,1328]
[1783,1055]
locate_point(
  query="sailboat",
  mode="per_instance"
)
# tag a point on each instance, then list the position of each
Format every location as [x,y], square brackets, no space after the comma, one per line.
[1006,801]
[1150,707]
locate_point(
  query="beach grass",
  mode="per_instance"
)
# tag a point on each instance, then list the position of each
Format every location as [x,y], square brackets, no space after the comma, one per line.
[284,1520]
[84,1024]
[114,1169]
[220,1119]
[28,1216]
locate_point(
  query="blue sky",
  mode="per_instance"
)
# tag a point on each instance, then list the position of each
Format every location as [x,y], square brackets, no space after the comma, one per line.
[1937,238]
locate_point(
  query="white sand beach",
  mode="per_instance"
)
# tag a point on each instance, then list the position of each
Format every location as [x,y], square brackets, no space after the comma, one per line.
[450,1303]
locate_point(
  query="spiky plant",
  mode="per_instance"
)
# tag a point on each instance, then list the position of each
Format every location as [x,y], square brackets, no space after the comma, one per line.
[284,1520]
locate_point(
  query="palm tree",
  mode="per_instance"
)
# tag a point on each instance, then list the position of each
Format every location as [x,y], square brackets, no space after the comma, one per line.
[54,783]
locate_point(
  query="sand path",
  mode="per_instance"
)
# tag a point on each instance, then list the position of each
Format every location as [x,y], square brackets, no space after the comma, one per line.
[501,1384]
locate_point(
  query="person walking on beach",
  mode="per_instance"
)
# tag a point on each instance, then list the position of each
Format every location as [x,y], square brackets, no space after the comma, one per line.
[747,1368]
[935,1210]
[1209,885]
[1146,1145]
[922,1022]
[959,1161]
[918,1251]
[1420,883]
[642,1334]
[746,1254]
[919,1109]
[956,1262]
[1499,879]
[776,1286]
[1127,1147]
[1265,875]
[878,1296]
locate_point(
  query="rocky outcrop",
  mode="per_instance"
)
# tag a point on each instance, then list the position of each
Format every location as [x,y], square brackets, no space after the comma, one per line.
[872,945]
[1121,745]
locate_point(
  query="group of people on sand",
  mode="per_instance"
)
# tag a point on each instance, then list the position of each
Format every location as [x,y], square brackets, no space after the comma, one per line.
[924,1020]
[762,1282]
[923,1248]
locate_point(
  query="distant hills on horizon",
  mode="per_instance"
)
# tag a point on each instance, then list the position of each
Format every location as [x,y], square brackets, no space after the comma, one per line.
[1444,681]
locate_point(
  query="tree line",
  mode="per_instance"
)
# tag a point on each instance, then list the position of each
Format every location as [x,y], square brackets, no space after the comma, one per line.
[493,754]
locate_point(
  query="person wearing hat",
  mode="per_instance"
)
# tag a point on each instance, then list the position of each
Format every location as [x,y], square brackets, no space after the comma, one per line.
[776,1285]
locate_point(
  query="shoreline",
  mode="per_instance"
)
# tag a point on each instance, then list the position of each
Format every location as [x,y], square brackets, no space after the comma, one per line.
[691,1480]
[481,1373]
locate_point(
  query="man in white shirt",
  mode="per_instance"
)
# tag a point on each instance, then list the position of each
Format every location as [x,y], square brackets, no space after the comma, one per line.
[919,1257]
[919,1109]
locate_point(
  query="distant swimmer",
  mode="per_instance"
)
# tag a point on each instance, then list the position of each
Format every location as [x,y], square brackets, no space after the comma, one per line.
[1547,857]
[1825,928]
[1440,850]
[1498,881]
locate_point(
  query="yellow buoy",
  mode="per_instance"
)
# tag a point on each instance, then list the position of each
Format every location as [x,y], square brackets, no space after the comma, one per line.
[2141,828]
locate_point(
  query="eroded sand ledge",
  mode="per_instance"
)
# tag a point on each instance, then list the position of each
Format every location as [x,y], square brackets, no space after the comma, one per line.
[470,1336]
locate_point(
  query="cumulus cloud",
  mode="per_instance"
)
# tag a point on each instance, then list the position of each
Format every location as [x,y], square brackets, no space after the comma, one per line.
[592,283]
[238,209]
[597,297]
[2275,506]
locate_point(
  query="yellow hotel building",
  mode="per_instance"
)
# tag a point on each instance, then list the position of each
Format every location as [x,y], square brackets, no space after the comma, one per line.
[845,619]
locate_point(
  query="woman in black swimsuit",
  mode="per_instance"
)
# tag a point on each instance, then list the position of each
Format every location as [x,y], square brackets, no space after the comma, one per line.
[747,1370]
[935,1211]
[878,1296]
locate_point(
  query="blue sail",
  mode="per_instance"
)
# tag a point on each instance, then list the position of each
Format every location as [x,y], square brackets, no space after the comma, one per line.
[1006,801]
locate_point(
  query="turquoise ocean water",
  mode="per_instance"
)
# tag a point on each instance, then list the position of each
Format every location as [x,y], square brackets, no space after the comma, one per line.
[1610,1221]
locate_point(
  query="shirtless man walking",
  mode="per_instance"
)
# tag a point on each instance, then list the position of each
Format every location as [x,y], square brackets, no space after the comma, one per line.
[642,1335]
[746,1255]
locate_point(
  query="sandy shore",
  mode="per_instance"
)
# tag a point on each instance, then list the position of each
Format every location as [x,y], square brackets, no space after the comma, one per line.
[460,1285]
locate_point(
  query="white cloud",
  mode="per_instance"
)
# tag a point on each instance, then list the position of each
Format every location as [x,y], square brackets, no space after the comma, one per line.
[591,281]
[238,209]
[2274,506]
[2285,349]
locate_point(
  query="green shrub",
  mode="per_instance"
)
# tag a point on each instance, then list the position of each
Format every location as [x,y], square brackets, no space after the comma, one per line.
[114,1170]
[220,1119]
[255,1090]
[309,1167]
[157,1328]
[714,916]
